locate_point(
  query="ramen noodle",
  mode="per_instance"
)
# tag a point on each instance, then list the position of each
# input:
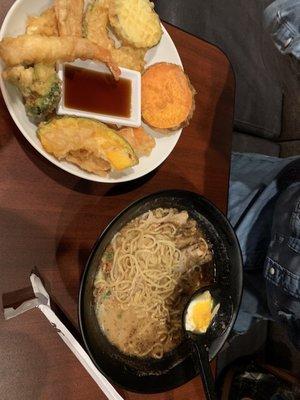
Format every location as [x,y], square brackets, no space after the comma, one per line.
[146,274]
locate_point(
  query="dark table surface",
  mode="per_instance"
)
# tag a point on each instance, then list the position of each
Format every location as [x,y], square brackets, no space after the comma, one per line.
[50,219]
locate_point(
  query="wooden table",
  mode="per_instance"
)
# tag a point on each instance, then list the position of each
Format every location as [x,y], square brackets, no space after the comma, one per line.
[50,219]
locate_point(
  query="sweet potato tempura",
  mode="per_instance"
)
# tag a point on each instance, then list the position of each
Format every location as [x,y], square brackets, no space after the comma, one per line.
[69,15]
[167,97]
[27,49]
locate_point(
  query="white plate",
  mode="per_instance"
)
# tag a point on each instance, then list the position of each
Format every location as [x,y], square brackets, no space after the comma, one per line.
[14,25]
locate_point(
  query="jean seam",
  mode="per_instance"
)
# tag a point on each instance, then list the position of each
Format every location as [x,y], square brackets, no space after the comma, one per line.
[294,217]
[289,27]
[283,288]
[294,244]
[291,274]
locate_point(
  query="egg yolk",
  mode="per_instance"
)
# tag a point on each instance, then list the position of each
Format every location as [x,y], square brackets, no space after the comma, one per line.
[202,315]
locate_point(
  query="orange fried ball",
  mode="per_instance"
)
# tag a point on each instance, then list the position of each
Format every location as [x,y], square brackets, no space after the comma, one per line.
[167,97]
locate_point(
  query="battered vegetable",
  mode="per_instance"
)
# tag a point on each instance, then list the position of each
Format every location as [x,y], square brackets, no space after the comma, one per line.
[69,15]
[167,97]
[135,22]
[91,145]
[139,139]
[40,88]
[95,28]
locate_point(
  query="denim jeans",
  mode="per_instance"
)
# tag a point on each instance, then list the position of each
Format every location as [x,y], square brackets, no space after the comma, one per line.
[264,209]
[282,20]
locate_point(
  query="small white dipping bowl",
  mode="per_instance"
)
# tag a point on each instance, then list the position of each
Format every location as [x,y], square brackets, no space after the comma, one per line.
[135,78]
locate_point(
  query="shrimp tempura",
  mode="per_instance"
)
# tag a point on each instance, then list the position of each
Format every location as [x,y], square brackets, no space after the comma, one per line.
[27,49]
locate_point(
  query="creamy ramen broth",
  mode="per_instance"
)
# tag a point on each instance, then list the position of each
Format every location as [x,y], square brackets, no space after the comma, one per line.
[146,274]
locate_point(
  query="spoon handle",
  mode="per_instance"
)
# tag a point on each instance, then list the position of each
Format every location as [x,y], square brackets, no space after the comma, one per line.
[206,373]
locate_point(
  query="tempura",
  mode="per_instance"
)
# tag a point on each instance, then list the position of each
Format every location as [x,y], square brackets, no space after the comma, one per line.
[130,58]
[69,14]
[95,25]
[45,24]
[135,22]
[167,97]
[34,49]
[95,28]
[91,145]
[40,88]
[141,142]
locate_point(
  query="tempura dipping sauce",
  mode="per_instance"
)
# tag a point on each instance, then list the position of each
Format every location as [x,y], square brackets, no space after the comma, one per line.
[96,92]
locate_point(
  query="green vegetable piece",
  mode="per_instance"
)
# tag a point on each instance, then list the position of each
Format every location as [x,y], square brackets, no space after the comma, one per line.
[106,295]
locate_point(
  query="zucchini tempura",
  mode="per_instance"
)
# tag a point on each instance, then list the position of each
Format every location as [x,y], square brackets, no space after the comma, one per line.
[95,28]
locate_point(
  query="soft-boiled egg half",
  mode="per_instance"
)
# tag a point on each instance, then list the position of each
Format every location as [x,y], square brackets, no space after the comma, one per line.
[200,313]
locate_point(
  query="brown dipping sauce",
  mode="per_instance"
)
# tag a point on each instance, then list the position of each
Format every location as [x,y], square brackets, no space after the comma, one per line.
[97,92]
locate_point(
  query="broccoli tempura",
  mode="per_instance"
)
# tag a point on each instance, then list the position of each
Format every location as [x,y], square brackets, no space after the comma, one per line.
[40,87]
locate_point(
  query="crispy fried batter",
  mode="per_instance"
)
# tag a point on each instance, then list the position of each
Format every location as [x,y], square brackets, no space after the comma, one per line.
[69,14]
[135,22]
[95,25]
[140,141]
[88,162]
[167,97]
[96,30]
[40,88]
[45,24]
[27,49]
[21,77]
[91,145]
[130,58]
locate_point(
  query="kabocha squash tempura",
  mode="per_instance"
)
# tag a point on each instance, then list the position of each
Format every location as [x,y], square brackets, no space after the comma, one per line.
[91,145]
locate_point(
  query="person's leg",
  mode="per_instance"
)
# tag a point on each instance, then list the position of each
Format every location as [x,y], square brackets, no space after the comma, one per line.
[282,266]
[254,190]
[254,187]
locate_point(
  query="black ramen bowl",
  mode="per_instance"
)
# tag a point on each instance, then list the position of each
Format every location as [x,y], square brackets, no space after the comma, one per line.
[147,375]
